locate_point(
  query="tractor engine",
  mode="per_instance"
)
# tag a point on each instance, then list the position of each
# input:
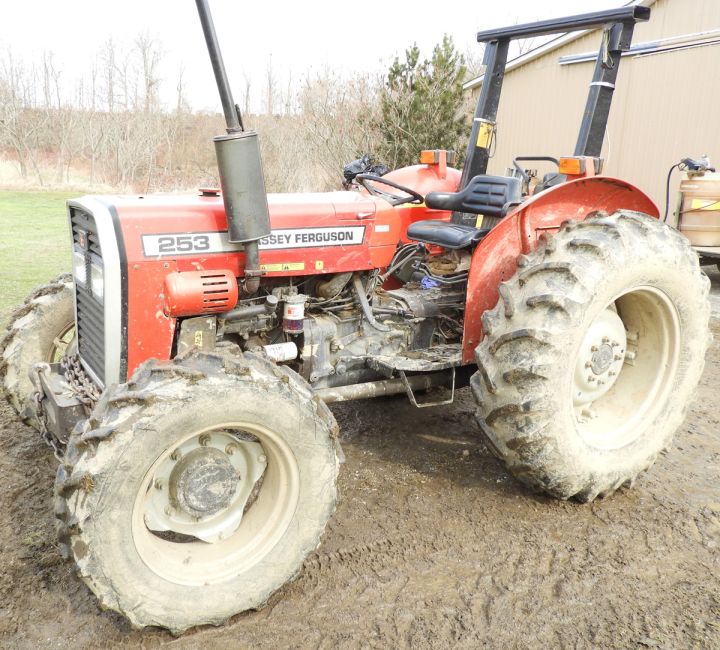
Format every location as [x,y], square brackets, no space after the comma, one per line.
[346,328]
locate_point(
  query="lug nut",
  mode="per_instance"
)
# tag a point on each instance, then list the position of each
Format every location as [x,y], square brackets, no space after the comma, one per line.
[605,339]
[204,440]
[176,455]
[230,449]
[618,357]
[262,458]
[169,511]
[594,348]
[588,364]
[158,484]
[591,378]
[612,373]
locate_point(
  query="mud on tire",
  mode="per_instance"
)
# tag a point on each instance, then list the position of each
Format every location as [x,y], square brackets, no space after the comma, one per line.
[102,487]
[32,336]
[541,373]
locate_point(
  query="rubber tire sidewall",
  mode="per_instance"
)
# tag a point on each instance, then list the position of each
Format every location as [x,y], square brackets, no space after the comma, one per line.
[28,341]
[531,424]
[586,462]
[108,528]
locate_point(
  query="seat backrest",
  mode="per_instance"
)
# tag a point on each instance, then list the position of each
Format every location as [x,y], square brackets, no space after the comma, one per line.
[549,180]
[484,194]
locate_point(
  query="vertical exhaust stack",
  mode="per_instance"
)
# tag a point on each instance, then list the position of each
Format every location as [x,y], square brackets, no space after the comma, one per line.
[239,166]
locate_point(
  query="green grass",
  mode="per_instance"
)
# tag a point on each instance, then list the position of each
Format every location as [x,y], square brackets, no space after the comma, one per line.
[34,243]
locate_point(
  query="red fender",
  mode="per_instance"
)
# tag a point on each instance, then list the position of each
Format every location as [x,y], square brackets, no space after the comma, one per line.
[495,258]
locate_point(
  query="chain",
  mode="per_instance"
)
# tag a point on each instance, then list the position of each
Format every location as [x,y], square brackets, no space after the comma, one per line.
[57,445]
[84,390]
[82,386]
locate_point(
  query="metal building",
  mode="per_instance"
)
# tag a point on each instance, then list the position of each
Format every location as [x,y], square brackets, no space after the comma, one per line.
[666,105]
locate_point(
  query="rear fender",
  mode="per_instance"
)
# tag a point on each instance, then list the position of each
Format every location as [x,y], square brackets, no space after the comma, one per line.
[495,258]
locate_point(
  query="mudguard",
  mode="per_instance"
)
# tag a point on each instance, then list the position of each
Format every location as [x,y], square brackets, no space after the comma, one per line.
[495,258]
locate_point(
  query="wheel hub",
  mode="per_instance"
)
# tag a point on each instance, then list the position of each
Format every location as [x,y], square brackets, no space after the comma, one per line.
[599,361]
[203,482]
[201,487]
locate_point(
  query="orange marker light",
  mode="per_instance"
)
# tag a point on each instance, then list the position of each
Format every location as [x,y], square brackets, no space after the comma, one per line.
[572,166]
[429,157]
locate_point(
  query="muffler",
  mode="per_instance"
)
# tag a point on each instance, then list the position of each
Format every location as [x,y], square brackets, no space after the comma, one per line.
[240,167]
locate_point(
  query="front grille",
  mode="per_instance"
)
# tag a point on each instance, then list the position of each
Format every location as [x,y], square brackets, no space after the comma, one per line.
[90,313]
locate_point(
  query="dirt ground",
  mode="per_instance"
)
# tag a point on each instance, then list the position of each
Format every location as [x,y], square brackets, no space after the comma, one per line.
[433,545]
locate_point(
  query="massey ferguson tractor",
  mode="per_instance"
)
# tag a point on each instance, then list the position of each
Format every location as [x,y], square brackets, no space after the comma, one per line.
[182,373]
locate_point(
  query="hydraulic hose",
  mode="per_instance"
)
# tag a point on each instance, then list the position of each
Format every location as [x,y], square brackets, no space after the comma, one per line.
[365,305]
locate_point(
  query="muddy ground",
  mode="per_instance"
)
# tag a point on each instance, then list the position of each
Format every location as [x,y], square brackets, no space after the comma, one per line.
[433,545]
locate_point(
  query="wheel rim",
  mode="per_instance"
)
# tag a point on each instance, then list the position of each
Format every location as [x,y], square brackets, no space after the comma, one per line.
[624,367]
[60,344]
[215,503]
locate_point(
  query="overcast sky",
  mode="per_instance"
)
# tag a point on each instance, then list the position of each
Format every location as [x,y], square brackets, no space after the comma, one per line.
[299,37]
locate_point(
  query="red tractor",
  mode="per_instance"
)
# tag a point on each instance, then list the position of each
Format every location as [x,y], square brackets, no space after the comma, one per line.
[198,457]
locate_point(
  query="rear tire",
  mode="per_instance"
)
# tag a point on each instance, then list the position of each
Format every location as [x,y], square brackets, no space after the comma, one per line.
[38,331]
[592,354]
[147,497]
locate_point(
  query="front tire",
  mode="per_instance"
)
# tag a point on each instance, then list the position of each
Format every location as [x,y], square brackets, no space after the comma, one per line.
[39,331]
[592,354]
[197,489]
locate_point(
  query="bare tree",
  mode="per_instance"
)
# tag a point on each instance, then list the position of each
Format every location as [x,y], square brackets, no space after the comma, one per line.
[270,88]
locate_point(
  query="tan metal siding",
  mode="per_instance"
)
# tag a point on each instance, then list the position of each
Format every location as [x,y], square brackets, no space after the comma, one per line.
[665,106]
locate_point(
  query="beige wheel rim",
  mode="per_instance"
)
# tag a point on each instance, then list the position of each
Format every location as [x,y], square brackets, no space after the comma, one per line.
[624,367]
[60,344]
[214,503]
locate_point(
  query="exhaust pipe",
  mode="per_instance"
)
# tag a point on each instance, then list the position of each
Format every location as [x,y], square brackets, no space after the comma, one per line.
[239,166]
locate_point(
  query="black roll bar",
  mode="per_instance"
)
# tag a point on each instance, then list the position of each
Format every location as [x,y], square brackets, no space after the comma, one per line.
[618,25]
[567,24]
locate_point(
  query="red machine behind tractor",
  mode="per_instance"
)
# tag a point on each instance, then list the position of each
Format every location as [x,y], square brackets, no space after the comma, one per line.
[182,373]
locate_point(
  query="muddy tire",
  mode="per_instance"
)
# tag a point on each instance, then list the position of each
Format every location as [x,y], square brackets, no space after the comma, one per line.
[38,331]
[592,354]
[197,489]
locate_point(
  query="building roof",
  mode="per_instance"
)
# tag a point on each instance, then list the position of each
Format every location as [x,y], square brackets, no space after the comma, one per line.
[547,47]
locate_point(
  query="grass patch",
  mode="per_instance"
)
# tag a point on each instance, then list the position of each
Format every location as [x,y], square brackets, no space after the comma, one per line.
[34,243]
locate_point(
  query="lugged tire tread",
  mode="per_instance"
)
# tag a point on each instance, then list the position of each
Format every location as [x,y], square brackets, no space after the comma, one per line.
[121,408]
[519,430]
[13,368]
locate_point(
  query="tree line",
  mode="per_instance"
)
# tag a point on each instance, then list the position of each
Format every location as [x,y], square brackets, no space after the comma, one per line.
[110,129]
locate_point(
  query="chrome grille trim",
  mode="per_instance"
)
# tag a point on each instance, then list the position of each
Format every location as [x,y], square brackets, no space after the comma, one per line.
[102,243]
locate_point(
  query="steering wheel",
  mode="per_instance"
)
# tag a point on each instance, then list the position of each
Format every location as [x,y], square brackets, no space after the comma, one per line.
[524,174]
[394,199]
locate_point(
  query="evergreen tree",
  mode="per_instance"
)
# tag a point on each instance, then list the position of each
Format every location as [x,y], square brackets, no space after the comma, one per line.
[422,105]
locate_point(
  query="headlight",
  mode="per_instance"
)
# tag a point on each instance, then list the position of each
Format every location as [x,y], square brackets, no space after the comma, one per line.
[96,280]
[79,268]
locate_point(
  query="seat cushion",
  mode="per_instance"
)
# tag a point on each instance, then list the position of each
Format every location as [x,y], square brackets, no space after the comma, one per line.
[445,234]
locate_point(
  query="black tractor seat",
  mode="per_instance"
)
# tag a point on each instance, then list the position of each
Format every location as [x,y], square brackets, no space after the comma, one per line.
[445,234]
[492,196]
